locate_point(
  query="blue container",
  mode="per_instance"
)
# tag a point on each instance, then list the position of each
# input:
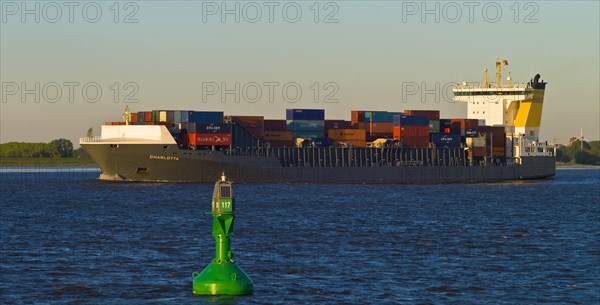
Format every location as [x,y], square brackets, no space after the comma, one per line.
[445,140]
[380,116]
[141,118]
[471,132]
[322,142]
[205,116]
[305,114]
[213,128]
[305,125]
[309,134]
[185,116]
[177,116]
[170,116]
[408,120]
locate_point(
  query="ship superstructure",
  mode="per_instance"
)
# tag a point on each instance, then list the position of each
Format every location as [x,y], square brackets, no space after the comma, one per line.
[516,106]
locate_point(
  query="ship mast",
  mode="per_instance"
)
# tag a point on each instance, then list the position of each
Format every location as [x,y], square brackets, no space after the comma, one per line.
[499,64]
[126,115]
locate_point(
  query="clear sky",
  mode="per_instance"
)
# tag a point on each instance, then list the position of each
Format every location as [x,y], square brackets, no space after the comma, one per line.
[367,55]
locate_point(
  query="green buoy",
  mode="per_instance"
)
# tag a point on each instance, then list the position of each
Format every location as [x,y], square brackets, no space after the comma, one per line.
[222,276]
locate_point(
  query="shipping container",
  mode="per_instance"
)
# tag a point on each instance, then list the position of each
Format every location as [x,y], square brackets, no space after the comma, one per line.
[202,139]
[162,116]
[155,115]
[321,142]
[337,124]
[212,128]
[410,131]
[414,142]
[434,126]
[380,116]
[305,114]
[469,132]
[279,144]
[185,116]
[477,152]
[380,128]
[177,116]
[309,134]
[148,116]
[205,116]
[134,117]
[357,116]
[170,116]
[249,121]
[495,135]
[465,123]
[141,117]
[275,125]
[445,140]
[347,134]
[407,120]
[432,115]
[305,125]
[281,136]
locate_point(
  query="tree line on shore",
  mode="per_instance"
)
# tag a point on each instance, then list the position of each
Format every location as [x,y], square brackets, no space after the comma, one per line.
[59,148]
[576,152]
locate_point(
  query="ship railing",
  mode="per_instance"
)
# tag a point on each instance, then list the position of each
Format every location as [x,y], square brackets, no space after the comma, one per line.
[474,86]
[366,156]
[90,139]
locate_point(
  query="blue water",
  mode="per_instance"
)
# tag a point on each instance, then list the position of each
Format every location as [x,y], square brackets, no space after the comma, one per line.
[67,238]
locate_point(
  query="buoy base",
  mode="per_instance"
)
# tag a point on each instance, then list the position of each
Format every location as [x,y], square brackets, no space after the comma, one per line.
[222,279]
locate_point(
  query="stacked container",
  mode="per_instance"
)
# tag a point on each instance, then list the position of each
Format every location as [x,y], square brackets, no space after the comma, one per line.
[218,134]
[252,124]
[411,131]
[468,127]
[432,115]
[356,137]
[306,123]
[495,138]
[277,135]
[379,124]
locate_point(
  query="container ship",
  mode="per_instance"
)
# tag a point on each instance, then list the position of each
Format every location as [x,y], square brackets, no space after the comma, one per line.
[498,140]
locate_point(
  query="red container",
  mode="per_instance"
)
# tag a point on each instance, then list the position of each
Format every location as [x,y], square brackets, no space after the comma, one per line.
[478,151]
[337,124]
[410,131]
[218,139]
[275,125]
[249,121]
[432,115]
[148,116]
[134,117]
[498,136]
[357,116]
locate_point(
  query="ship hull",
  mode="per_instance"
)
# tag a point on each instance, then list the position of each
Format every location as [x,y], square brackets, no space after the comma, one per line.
[158,163]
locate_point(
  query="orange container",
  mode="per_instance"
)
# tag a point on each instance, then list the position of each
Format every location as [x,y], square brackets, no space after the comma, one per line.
[347,134]
[134,117]
[357,116]
[281,136]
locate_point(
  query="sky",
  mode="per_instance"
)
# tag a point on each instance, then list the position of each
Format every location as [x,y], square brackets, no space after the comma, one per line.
[69,66]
